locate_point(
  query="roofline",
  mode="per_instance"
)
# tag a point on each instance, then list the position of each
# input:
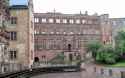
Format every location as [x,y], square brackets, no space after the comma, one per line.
[18,7]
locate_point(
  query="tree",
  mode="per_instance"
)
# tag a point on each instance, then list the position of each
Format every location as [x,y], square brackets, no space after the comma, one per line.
[106,54]
[93,47]
[120,41]
[59,59]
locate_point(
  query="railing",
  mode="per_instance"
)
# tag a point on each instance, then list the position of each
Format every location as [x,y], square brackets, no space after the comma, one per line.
[52,65]
[40,70]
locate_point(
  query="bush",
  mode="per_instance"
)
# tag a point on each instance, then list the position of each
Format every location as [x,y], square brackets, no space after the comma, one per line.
[106,55]
[93,47]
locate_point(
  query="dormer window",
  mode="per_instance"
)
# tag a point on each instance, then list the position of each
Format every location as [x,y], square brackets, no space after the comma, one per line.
[77,21]
[83,21]
[51,20]
[65,21]
[36,20]
[57,20]
[71,21]
[44,20]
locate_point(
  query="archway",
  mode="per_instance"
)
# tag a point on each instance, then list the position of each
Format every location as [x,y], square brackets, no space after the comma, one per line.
[36,59]
[69,47]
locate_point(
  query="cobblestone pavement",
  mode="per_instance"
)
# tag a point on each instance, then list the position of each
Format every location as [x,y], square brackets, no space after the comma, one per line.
[88,73]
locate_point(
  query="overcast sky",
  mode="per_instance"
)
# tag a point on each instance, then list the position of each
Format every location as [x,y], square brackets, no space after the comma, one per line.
[116,8]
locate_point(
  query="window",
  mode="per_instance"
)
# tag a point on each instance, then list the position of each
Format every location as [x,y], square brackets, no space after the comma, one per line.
[57,20]
[12,35]
[35,31]
[13,20]
[43,32]
[71,21]
[52,32]
[64,32]
[57,32]
[71,33]
[83,21]
[51,44]
[79,33]
[77,21]
[13,54]
[65,21]
[51,20]
[44,20]
[43,44]
[43,57]
[36,20]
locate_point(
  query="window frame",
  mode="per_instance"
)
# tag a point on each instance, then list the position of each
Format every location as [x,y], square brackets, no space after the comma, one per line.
[12,35]
[43,20]
[13,20]
[51,20]
[13,54]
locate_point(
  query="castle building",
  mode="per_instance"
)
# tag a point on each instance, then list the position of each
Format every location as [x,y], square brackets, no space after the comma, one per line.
[67,33]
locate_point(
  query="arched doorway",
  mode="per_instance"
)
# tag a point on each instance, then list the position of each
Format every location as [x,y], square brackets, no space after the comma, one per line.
[36,59]
[69,47]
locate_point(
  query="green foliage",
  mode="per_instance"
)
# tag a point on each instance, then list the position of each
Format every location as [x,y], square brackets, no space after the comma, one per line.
[107,55]
[120,43]
[120,63]
[59,59]
[120,36]
[93,47]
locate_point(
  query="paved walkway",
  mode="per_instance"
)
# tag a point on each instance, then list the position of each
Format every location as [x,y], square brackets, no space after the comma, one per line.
[89,71]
